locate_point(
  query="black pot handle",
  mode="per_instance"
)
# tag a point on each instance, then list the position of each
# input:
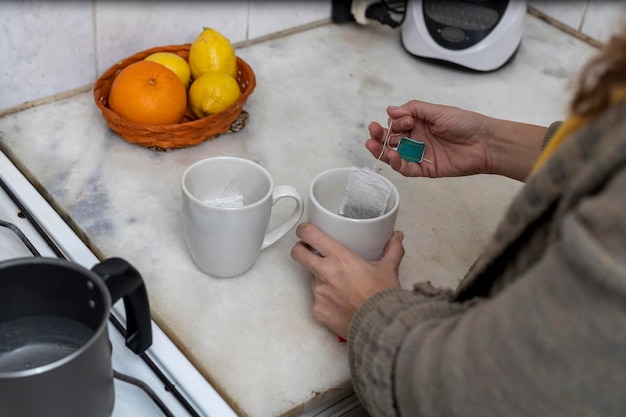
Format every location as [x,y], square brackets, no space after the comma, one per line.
[123,280]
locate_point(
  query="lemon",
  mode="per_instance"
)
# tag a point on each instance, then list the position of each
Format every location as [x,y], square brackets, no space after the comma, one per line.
[212,93]
[175,63]
[212,52]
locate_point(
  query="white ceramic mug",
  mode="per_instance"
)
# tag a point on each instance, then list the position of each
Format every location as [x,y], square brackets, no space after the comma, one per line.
[366,237]
[226,241]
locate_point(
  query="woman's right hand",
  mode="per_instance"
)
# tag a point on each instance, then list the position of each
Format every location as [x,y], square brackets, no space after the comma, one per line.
[458,142]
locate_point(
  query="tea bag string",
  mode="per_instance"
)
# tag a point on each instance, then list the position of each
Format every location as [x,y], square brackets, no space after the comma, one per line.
[232,182]
[385,143]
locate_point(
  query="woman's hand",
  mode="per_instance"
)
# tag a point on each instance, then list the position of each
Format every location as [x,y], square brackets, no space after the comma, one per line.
[343,281]
[458,142]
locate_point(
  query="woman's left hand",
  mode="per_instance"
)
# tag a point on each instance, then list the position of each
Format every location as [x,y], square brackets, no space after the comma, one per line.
[343,281]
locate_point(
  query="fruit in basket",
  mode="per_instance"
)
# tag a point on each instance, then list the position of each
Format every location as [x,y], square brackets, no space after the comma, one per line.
[212,52]
[174,62]
[213,93]
[147,92]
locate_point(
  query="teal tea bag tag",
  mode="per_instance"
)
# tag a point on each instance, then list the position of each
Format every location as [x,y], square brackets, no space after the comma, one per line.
[411,150]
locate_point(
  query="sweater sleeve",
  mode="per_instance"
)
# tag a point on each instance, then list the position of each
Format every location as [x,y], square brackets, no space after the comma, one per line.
[376,334]
[551,343]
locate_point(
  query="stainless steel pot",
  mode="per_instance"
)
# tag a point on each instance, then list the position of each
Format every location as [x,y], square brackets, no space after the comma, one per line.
[55,355]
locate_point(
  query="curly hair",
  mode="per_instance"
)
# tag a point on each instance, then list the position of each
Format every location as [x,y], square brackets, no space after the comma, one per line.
[601,76]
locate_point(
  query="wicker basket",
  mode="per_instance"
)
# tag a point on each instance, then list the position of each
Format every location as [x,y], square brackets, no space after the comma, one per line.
[191,130]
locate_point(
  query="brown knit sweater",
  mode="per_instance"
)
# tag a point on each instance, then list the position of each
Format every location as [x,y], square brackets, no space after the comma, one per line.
[538,325]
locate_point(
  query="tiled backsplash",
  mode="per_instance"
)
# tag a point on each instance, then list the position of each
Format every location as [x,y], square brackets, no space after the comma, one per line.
[52,48]
[594,18]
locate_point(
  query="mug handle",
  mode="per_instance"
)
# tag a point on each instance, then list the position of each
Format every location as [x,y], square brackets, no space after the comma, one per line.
[123,280]
[280,192]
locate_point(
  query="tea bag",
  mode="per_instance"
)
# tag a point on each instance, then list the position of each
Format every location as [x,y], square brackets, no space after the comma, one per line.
[366,195]
[229,201]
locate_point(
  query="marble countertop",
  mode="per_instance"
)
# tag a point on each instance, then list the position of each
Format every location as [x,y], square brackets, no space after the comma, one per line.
[253,336]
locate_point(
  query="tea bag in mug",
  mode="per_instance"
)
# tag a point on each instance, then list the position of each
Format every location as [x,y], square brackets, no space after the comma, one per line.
[228,199]
[366,195]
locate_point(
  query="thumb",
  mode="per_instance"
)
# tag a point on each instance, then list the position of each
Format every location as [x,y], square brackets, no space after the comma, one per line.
[394,251]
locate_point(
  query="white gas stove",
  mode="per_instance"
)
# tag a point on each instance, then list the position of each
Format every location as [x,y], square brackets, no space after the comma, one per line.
[160,382]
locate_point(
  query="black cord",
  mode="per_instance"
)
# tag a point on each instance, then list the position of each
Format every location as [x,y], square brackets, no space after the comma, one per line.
[395,6]
[381,12]
[401,9]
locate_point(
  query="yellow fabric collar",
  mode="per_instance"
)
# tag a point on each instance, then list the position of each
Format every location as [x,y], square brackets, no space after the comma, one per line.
[571,124]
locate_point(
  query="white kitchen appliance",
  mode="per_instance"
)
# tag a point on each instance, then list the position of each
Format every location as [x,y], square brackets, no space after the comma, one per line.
[481,35]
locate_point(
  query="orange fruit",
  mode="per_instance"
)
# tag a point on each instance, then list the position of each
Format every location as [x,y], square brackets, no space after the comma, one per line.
[148,92]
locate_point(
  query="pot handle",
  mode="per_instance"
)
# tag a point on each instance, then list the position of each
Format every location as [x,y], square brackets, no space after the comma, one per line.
[123,280]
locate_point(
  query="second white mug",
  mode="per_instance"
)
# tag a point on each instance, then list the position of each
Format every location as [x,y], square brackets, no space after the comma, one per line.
[366,237]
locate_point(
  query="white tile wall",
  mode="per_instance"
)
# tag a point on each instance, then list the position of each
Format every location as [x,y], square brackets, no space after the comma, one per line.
[49,48]
[595,18]
[603,17]
[53,47]
[124,28]
[567,12]
[268,17]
